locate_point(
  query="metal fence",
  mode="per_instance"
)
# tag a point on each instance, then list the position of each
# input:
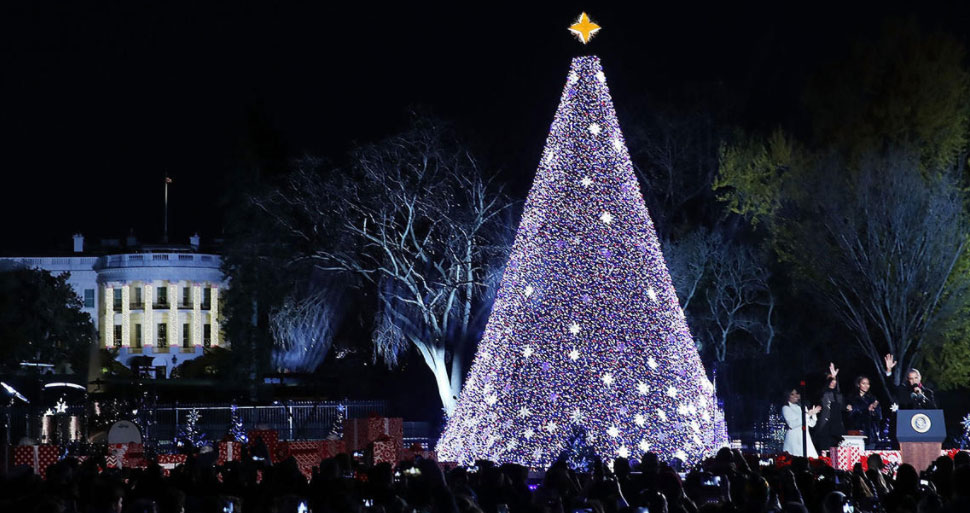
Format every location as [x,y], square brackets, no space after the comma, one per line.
[293,420]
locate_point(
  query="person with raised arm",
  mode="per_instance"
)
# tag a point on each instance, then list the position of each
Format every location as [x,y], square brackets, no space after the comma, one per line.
[911,394]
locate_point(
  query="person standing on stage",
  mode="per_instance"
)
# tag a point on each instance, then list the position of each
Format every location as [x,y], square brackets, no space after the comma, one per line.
[864,411]
[830,428]
[793,417]
[912,394]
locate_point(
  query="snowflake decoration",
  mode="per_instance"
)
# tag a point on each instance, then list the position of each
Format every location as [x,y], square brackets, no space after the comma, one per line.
[586,181]
[528,290]
[651,363]
[574,328]
[601,76]
[527,351]
[643,388]
[644,445]
[595,129]
[662,414]
[607,218]
[576,416]
[613,432]
[574,355]
[640,420]
[491,400]
[528,433]
[608,378]
[623,452]
[524,412]
[551,426]
[652,294]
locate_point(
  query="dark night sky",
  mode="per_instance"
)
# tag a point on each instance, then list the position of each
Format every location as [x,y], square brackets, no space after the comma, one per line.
[98,102]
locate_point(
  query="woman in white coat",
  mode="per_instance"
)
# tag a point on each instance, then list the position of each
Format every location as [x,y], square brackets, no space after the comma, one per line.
[793,417]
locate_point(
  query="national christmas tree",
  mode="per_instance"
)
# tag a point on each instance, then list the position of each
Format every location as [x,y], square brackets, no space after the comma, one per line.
[586,330]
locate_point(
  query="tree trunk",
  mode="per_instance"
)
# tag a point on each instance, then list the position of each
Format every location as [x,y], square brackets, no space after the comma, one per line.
[449,396]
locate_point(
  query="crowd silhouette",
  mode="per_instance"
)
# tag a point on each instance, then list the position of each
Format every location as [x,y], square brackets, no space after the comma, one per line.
[729,482]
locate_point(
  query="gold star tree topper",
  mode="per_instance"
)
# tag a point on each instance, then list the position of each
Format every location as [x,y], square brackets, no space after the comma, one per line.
[584,29]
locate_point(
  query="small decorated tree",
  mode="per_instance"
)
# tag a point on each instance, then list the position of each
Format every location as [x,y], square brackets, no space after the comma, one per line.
[236,430]
[190,436]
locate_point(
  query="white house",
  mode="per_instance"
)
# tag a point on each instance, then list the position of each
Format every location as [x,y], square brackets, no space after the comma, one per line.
[159,301]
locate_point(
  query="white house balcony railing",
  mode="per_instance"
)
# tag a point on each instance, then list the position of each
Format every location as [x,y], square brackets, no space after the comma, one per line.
[160,260]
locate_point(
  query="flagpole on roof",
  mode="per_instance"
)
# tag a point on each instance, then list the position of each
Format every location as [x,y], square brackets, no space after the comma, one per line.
[165,231]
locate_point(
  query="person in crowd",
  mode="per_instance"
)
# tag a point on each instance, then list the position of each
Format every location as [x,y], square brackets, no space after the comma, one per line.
[830,427]
[864,412]
[792,412]
[912,394]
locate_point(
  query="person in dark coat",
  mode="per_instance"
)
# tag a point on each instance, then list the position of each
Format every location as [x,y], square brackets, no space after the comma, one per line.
[830,427]
[864,411]
[912,394]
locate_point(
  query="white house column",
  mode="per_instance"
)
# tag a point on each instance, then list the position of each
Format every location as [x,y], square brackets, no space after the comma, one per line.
[195,339]
[108,324]
[214,317]
[125,316]
[173,315]
[148,324]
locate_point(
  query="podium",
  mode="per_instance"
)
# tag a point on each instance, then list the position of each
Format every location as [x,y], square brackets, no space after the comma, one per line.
[920,434]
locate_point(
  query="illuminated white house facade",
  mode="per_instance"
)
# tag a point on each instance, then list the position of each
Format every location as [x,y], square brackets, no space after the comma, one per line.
[158,302]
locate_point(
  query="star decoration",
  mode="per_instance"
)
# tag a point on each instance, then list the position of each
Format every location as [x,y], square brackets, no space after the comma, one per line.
[574,328]
[549,157]
[607,218]
[612,431]
[652,294]
[594,128]
[662,414]
[576,416]
[524,412]
[608,378]
[623,452]
[617,144]
[601,76]
[528,290]
[551,426]
[586,181]
[652,363]
[491,400]
[509,446]
[671,391]
[644,445]
[527,351]
[584,29]
[574,355]
[642,388]
[640,421]
[528,433]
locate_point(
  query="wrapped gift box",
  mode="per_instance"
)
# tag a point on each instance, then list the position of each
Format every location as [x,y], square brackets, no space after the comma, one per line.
[384,450]
[229,451]
[359,433]
[169,461]
[845,457]
[37,457]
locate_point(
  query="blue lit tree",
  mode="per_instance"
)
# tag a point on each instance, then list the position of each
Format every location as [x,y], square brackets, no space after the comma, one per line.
[586,331]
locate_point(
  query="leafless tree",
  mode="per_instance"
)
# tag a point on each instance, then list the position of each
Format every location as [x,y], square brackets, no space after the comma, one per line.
[676,159]
[882,243]
[303,330]
[730,281]
[417,221]
[687,261]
